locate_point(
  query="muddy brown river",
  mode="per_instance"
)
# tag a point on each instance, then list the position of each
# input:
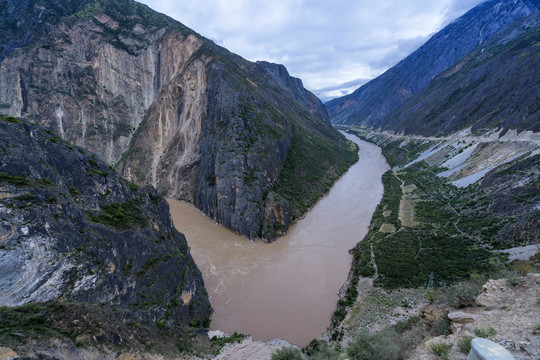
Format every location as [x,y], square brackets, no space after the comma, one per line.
[286,289]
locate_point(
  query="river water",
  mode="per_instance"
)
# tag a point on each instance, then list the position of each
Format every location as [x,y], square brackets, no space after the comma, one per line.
[286,289]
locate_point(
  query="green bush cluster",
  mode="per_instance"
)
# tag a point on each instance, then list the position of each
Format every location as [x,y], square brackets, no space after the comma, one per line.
[120,215]
[287,354]
[442,350]
[320,350]
[10,119]
[222,341]
[464,293]
[386,344]
[31,321]
[464,344]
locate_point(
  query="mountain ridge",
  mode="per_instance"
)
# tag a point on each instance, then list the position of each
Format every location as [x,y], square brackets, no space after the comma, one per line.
[373,103]
[492,87]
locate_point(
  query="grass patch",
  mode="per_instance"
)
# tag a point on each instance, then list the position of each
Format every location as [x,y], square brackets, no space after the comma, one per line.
[222,341]
[148,265]
[121,216]
[464,344]
[32,321]
[14,180]
[442,350]
[10,119]
[386,344]
[287,354]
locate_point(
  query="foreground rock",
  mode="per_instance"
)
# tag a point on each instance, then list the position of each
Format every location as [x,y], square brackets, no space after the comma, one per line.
[252,350]
[71,230]
[508,316]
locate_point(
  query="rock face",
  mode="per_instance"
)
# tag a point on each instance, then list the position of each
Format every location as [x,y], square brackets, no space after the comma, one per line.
[166,106]
[374,103]
[72,230]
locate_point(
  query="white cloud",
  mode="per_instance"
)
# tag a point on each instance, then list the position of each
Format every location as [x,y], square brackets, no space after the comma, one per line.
[324,43]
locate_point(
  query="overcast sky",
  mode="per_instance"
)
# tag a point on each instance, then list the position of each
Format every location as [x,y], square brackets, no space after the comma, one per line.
[325,43]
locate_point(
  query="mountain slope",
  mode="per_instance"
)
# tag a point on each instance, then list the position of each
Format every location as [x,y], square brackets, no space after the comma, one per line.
[170,108]
[73,231]
[373,103]
[496,85]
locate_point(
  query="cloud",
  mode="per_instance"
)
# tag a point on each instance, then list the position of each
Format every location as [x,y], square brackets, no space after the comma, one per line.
[324,43]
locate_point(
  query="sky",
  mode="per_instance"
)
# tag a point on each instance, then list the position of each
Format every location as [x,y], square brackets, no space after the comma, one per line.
[333,46]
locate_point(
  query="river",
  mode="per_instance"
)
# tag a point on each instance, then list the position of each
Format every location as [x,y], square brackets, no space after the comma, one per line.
[286,289]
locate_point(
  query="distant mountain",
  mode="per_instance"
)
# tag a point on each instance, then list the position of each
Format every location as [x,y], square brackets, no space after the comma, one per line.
[374,103]
[495,85]
[328,93]
[170,108]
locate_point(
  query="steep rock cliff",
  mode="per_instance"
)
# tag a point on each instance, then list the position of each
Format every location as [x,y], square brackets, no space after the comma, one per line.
[170,108]
[72,230]
[373,103]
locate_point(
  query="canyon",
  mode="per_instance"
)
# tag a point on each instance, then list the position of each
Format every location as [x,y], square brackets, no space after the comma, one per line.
[287,289]
[169,108]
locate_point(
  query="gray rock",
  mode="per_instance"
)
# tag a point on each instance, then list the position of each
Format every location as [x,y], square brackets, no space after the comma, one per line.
[484,349]
[73,230]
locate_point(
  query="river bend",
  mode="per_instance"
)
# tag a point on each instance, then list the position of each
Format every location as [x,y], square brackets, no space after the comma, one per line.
[286,289]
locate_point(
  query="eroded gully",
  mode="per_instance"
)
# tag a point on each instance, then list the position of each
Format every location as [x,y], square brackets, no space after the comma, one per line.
[286,289]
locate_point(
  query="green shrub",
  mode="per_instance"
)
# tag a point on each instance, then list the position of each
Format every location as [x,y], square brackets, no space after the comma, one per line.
[10,119]
[221,341]
[463,294]
[484,333]
[384,345]
[287,354]
[440,349]
[432,295]
[160,324]
[464,344]
[120,215]
[15,180]
[442,327]
[147,266]
[404,325]
[514,278]
[320,350]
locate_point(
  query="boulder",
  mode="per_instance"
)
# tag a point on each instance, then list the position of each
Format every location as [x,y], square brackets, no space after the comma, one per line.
[495,293]
[459,319]
[484,349]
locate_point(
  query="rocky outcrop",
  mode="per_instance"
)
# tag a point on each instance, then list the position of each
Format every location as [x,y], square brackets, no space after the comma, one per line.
[432,314]
[72,230]
[460,319]
[276,220]
[374,103]
[168,107]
